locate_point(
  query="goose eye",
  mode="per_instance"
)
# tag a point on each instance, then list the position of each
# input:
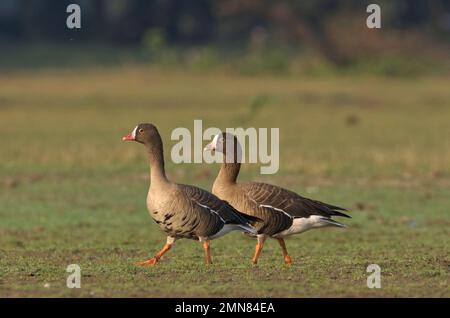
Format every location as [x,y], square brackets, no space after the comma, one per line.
[141,130]
[222,139]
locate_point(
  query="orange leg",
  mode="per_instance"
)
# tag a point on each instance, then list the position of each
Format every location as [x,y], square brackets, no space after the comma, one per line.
[155,259]
[287,258]
[258,249]
[207,252]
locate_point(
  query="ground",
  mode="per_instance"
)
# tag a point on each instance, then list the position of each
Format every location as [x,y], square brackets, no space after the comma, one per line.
[72,192]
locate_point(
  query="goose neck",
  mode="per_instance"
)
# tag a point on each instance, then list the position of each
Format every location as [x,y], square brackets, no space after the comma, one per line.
[228,173]
[156,161]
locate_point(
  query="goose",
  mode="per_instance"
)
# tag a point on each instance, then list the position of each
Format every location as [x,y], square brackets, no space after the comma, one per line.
[183,211]
[281,212]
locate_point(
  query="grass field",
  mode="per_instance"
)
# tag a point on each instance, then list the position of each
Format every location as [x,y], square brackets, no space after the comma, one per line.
[72,192]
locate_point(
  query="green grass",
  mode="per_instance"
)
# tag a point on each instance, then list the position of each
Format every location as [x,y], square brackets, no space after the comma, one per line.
[72,192]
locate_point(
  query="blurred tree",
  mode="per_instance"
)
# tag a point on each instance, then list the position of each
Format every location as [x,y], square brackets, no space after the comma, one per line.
[311,24]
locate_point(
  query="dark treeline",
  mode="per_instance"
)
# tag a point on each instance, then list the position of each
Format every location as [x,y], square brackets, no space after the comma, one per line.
[324,25]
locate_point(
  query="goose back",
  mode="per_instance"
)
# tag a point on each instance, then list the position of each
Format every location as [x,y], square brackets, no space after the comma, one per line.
[288,201]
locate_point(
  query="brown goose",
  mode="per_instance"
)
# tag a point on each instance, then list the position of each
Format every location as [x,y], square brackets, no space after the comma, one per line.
[183,211]
[281,212]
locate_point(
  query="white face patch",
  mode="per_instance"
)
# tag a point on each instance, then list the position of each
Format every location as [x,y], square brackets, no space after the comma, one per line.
[215,140]
[133,134]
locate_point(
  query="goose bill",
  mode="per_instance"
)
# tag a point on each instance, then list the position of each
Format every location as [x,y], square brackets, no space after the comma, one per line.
[128,137]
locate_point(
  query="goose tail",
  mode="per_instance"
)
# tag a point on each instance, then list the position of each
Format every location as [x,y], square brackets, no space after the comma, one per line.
[248,229]
[332,222]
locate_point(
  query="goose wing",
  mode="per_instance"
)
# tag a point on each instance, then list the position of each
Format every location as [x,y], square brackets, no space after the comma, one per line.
[282,200]
[216,209]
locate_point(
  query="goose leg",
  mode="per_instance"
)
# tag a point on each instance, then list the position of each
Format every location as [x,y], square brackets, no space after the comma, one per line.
[207,252]
[156,258]
[287,258]
[261,238]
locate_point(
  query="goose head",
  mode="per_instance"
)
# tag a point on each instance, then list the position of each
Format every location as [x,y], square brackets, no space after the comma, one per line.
[146,134]
[225,143]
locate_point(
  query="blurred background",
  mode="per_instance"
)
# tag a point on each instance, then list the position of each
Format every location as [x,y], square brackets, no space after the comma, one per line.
[364,124]
[305,37]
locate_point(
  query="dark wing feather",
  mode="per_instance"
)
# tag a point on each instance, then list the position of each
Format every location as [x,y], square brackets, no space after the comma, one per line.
[226,212]
[249,218]
[290,202]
